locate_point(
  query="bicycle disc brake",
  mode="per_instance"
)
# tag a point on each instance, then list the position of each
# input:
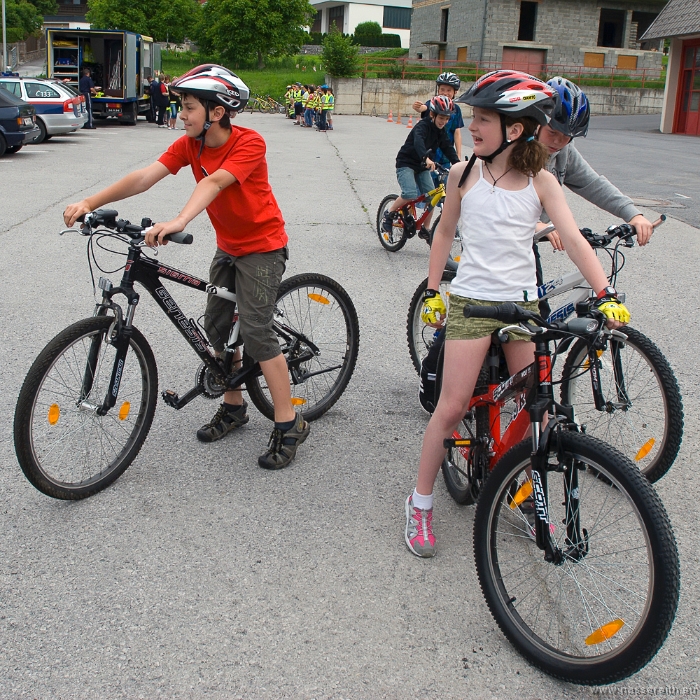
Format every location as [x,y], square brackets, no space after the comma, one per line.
[211,388]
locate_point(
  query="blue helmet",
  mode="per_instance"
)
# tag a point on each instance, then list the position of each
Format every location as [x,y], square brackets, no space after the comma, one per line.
[572,111]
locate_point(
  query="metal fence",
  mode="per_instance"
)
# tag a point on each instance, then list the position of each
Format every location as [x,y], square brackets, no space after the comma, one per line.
[426,69]
[12,56]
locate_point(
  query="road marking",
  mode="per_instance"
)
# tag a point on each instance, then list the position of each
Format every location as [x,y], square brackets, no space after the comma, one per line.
[681,195]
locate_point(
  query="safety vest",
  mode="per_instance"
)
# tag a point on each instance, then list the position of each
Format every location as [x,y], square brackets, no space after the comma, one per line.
[316,102]
[305,99]
[331,101]
[297,95]
[326,102]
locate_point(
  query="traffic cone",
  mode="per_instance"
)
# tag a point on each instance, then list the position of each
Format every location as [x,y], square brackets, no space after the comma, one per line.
[410,122]
[398,118]
[391,117]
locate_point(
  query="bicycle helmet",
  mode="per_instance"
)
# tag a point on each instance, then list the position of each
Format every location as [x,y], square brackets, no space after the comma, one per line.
[440,104]
[510,92]
[448,79]
[572,111]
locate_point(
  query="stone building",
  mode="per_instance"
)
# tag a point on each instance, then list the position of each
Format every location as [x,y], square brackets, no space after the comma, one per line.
[536,36]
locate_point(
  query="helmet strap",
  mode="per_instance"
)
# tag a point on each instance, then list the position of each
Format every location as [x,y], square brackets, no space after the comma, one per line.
[203,135]
[506,142]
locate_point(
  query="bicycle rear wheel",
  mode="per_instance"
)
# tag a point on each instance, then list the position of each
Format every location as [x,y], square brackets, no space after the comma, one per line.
[396,239]
[316,320]
[64,447]
[420,336]
[643,412]
[603,609]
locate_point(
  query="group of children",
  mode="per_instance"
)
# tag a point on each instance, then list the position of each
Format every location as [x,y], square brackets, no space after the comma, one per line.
[310,106]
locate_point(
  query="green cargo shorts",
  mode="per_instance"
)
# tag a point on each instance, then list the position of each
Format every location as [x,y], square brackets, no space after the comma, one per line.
[460,328]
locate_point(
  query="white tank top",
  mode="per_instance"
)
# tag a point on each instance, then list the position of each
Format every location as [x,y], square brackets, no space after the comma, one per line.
[497,227]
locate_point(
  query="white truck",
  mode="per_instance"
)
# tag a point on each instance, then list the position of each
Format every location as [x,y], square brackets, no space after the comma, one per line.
[120,63]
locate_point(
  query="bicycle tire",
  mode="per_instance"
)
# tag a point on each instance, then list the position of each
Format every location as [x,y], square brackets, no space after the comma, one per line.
[319,308]
[102,447]
[419,335]
[395,240]
[456,249]
[655,418]
[598,617]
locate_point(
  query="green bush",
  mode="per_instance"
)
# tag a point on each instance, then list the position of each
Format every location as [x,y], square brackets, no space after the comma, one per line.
[368,29]
[340,55]
[389,40]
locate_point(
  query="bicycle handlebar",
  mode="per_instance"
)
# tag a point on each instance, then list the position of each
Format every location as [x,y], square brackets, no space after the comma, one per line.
[108,219]
[623,231]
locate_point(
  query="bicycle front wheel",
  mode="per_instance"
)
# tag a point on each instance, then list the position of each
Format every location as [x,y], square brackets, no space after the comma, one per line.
[64,447]
[396,239]
[419,335]
[319,334]
[456,249]
[643,412]
[602,609]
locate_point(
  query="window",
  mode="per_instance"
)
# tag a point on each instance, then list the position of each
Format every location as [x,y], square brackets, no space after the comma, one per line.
[11,86]
[611,28]
[336,15]
[316,26]
[444,19]
[35,90]
[397,18]
[528,18]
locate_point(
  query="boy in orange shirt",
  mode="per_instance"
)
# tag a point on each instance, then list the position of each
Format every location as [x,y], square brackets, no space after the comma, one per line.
[229,165]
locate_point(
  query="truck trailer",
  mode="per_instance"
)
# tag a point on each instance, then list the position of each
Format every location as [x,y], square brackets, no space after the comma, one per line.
[119,61]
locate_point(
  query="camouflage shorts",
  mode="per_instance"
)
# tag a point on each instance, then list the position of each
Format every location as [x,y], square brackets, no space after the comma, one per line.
[460,328]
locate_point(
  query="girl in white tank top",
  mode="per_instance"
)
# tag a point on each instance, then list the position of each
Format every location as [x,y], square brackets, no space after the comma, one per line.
[497,208]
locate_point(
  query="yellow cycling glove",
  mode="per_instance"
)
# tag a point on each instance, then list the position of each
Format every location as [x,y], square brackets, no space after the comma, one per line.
[434,310]
[611,307]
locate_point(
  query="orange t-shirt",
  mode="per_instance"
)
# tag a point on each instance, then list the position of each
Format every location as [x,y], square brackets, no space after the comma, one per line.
[245,215]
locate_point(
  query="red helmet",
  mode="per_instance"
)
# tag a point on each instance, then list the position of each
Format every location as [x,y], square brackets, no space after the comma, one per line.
[442,105]
[215,84]
[512,92]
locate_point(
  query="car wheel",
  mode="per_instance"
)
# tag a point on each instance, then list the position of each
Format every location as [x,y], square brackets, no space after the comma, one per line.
[3,145]
[48,137]
[14,149]
[42,132]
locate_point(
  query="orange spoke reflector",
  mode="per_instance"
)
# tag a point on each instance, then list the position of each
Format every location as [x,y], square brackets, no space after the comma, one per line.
[124,410]
[297,401]
[521,494]
[319,298]
[646,449]
[54,413]
[605,632]
[386,236]
[456,258]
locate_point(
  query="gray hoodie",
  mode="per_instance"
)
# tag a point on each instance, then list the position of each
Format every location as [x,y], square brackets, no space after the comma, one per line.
[570,169]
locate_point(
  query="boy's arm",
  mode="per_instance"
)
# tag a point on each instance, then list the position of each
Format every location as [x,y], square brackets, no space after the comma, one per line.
[447,148]
[204,194]
[458,143]
[134,183]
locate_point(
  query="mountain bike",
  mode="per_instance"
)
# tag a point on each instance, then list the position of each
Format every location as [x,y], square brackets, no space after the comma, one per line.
[88,401]
[638,406]
[411,219]
[574,551]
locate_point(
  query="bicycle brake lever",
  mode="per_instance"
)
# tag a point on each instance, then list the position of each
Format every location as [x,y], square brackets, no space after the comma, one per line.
[68,230]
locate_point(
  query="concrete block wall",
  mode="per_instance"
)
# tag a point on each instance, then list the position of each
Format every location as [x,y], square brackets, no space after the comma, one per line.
[378,97]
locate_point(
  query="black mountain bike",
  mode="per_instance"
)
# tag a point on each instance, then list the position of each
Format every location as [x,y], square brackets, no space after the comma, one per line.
[88,401]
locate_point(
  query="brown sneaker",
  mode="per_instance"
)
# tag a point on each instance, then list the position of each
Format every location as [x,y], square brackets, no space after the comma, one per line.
[224,421]
[283,445]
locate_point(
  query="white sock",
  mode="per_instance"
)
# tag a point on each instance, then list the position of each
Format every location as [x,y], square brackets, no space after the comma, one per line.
[422,502]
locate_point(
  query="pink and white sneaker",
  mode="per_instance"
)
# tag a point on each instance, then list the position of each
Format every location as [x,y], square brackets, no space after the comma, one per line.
[419,530]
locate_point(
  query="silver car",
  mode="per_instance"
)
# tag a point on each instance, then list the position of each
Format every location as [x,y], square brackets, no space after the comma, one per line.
[59,108]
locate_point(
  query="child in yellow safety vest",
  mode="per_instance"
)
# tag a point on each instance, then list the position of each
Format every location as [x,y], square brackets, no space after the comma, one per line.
[308,111]
[326,107]
[331,102]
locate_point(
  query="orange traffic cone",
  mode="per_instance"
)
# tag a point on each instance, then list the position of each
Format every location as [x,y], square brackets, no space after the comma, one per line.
[410,122]
[398,118]
[391,117]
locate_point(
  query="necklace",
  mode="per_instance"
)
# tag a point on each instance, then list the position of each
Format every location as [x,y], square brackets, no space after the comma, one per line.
[495,179]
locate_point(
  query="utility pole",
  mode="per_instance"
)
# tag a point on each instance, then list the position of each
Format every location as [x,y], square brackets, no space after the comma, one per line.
[4,38]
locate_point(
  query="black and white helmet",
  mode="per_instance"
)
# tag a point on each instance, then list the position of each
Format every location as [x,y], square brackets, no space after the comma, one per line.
[448,79]
[215,84]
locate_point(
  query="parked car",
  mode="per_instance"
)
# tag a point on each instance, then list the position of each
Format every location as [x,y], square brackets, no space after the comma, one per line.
[17,123]
[59,109]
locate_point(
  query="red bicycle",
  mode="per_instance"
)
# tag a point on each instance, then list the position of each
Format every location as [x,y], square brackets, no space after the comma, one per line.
[574,550]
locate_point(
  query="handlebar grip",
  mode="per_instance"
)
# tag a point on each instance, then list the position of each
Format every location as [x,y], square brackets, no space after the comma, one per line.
[508,312]
[180,237]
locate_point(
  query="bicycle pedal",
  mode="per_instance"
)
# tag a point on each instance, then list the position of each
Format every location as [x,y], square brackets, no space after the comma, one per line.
[171,398]
[448,443]
[424,234]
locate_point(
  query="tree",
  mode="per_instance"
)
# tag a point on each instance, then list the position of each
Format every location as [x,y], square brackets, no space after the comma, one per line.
[368,29]
[242,30]
[164,20]
[340,55]
[24,18]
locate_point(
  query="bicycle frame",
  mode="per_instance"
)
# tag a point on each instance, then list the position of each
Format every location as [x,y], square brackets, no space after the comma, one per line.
[435,196]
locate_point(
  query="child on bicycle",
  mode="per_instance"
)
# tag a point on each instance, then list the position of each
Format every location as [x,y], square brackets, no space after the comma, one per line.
[413,162]
[497,205]
[447,84]
[229,166]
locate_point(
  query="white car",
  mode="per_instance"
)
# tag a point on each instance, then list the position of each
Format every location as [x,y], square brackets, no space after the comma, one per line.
[59,108]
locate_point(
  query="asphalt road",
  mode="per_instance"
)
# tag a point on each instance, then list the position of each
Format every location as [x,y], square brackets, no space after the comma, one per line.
[199,575]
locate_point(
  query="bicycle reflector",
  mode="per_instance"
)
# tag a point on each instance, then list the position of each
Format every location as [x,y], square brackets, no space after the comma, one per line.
[645,450]
[296,401]
[124,410]
[54,413]
[522,494]
[319,298]
[605,632]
